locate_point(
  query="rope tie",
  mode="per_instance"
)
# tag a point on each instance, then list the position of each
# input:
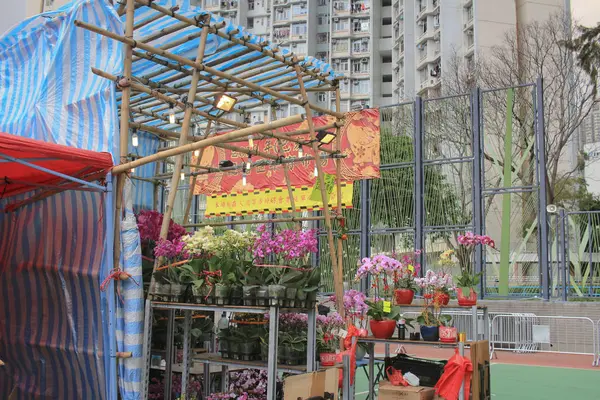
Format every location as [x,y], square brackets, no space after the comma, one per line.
[118,275]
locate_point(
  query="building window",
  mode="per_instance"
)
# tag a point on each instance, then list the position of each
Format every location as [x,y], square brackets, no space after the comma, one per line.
[340,46]
[299,48]
[360,66]
[323,19]
[340,25]
[212,3]
[281,33]
[360,46]
[469,13]
[360,26]
[250,23]
[321,97]
[360,6]
[362,86]
[340,65]
[282,14]
[299,29]
[386,59]
[322,37]
[250,4]
[299,10]
[323,2]
[341,6]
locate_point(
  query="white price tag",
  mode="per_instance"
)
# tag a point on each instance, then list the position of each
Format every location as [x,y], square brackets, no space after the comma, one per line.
[342,333]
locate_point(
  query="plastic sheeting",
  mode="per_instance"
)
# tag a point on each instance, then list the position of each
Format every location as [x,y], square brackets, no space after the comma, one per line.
[130,305]
[54,320]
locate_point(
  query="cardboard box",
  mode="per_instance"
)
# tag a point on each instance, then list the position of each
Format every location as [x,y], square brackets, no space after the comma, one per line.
[300,387]
[389,392]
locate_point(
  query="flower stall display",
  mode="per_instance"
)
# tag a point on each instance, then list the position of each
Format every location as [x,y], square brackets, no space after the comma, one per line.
[404,277]
[438,284]
[468,282]
[284,256]
[356,313]
[249,384]
[170,283]
[241,339]
[328,341]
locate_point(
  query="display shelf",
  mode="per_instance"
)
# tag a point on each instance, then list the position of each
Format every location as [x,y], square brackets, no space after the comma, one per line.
[448,307]
[162,305]
[212,359]
[375,340]
[215,359]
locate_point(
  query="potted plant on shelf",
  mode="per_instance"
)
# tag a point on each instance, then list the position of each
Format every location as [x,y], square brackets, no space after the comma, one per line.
[383,318]
[438,284]
[173,252]
[290,250]
[448,332]
[404,277]
[327,337]
[356,313]
[468,282]
[431,319]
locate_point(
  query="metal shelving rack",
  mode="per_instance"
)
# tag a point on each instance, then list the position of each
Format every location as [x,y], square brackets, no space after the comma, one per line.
[214,359]
[475,312]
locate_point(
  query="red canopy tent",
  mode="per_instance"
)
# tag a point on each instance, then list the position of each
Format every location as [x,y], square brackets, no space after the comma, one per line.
[28,164]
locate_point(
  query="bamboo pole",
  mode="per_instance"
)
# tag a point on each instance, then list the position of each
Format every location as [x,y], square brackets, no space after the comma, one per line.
[190,198]
[338,284]
[173,135]
[156,191]
[183,139]
[256,221]
[152,19]
[211,141]
[124,130]
[338,173]
[202,67]
[170,100]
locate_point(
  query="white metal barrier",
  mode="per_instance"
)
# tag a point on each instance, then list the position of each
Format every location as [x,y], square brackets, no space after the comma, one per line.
[530,333]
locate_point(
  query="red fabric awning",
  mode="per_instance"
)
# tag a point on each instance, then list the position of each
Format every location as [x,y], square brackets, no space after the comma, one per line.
[16,178]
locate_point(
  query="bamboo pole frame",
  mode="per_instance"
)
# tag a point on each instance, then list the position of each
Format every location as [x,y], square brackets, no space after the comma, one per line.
[257,221]
[190,198]
[124,130]
[211,141]
[337,276]
[210,70]
[183,139]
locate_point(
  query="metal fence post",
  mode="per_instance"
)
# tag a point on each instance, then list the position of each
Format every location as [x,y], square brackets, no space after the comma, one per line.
[562,250]
[543,194]
[477,181]
[365,226]
[419,179]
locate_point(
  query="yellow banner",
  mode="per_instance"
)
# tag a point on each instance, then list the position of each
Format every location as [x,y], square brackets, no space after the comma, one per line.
[274,201]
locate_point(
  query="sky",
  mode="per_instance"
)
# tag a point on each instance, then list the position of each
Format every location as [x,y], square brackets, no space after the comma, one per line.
[586,12]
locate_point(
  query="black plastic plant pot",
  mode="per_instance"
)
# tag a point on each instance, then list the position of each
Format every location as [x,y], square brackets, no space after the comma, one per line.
[249,294]
[235,296]
[290,297]
[262,296]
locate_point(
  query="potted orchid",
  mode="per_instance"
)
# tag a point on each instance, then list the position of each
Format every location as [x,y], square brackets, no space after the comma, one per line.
[438,284]
[431,318]
[404,277]
[383,316]
[289,250]
[169,281]
[327,337]
[356,311]
[468,282]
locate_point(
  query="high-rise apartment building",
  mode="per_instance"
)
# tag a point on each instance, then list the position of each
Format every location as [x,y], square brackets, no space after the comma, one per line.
[388,50]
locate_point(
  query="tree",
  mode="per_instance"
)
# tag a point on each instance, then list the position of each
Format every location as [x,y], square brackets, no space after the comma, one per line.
[533,50]
[587,47]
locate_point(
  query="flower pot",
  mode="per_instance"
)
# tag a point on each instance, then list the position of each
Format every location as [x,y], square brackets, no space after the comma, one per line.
[234,350]
[430,333]
[447,334]
[248,349]
[404,296]
[468,300]
[327,359]
[177,291]
[301,298]
[441,298]
[162,291]
[249,294]
[224,348]
[222,294]
[235,296]
[262,296]
[276,294]
[290,297]
[361,352]
[382,329]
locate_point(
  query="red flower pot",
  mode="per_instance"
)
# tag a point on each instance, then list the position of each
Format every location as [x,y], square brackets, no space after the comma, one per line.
[404,296]
[441,298]
[327,359]
[447,334]
[383,329]
[466,301]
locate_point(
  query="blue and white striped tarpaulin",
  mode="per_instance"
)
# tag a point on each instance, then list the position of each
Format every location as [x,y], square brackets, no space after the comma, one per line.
[54,320]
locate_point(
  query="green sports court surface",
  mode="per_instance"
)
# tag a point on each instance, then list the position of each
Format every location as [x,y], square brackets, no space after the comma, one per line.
[511,382]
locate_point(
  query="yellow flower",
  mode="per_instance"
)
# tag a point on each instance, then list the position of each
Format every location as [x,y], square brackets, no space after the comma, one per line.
[411,268]
[447,254]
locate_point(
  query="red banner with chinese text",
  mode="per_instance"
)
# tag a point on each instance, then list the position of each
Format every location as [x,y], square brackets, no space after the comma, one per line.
[360,143]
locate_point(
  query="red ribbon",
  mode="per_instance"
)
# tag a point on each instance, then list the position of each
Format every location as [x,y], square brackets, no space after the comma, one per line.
[116,275]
